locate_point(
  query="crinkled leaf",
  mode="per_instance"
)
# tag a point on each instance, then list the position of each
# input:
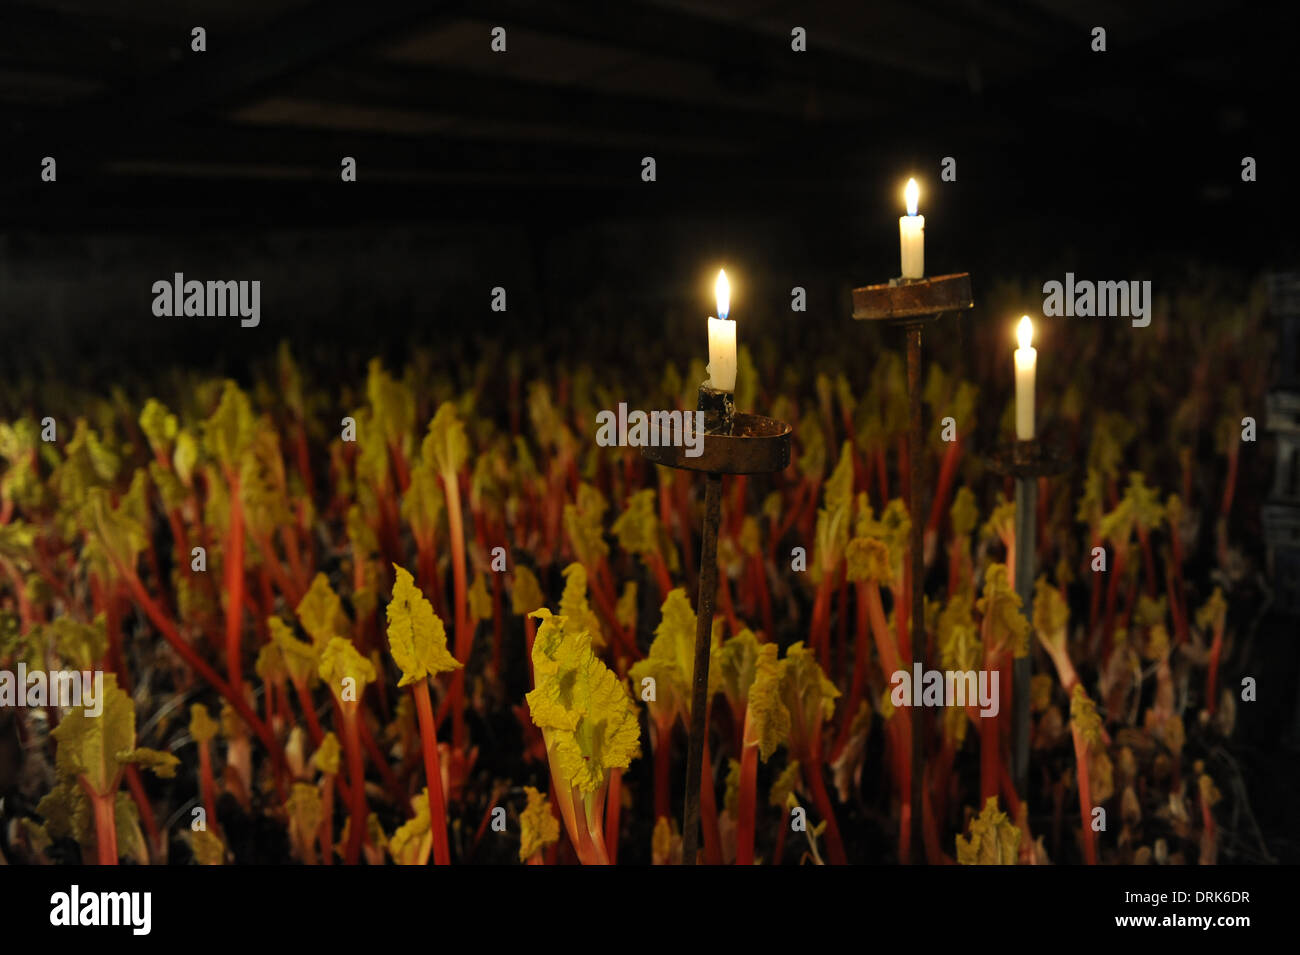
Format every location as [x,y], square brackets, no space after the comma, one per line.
[326,757]
[1214,613]
[964,513]
[768,717]
[1000,608]
[320,611]
[301,659]
[479,601]
[416,636]
[159,426]
[637,528]
[525,594]
[584,524]
[808,695]
[340,661]
[538,827]
[581,706]
[206,847]
[574,604]
[992,839]
[229,432]
[202,726]
[163,765]
[446,444]
[97,747]
[80,645]
[412,842]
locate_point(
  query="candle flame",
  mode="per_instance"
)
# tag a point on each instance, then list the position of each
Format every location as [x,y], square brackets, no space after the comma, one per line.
[912,193]
[722,289]
[1025,331]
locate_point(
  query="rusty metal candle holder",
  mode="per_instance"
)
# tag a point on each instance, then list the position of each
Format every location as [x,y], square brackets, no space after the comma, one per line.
[733,443]
[1026,461]
[912,304]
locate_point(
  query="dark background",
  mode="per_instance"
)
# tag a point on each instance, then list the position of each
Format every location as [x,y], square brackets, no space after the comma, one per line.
[522,169]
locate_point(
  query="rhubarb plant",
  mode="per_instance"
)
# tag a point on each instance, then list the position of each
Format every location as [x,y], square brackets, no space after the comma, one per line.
[590,726]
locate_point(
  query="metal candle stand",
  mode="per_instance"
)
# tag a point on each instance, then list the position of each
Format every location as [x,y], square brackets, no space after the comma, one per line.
[911,304]
[733,443]
[1026,461]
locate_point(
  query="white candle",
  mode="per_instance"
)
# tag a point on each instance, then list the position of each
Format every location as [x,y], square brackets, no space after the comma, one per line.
[1026,360]
[722,340]
[911,235]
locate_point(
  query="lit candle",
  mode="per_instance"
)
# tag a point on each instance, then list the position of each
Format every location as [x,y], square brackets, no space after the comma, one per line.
[911,235]
[722,340]
[1026,360]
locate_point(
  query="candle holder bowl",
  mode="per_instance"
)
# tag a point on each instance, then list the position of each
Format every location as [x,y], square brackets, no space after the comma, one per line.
[757,445]
[1032,458]
[902,301]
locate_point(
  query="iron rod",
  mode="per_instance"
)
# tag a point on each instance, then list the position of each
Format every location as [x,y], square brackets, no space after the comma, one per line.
[700,688]
[1022,668]
[915,557]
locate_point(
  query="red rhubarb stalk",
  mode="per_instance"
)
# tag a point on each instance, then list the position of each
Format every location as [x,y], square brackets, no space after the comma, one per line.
[432,772]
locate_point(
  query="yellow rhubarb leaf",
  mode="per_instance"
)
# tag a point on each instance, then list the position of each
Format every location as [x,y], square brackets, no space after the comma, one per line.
[574,605]
[80,645]
[159,426]
[321,612]
[964,513]
[305,816]
[326,757]
[345,671]
[526,594]
[1000,608]
[416,636]
[1148,513]
[231,429]
[301,659]
[1084,717]
[1214,613]
[538,827]
[867,558]
[584,522]
[769,718]
[206,847]
[93,748]
[479,601]
[808,695]
[424,501]
[992,839]
[413,841]
[1051,617]
[116,539]
[163,765]
[446,444]
[202,726]
[581,706]
[731,797]
[784,785]
[736,660]
[270,666]
[625,608]
[392,405]
[637,528]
